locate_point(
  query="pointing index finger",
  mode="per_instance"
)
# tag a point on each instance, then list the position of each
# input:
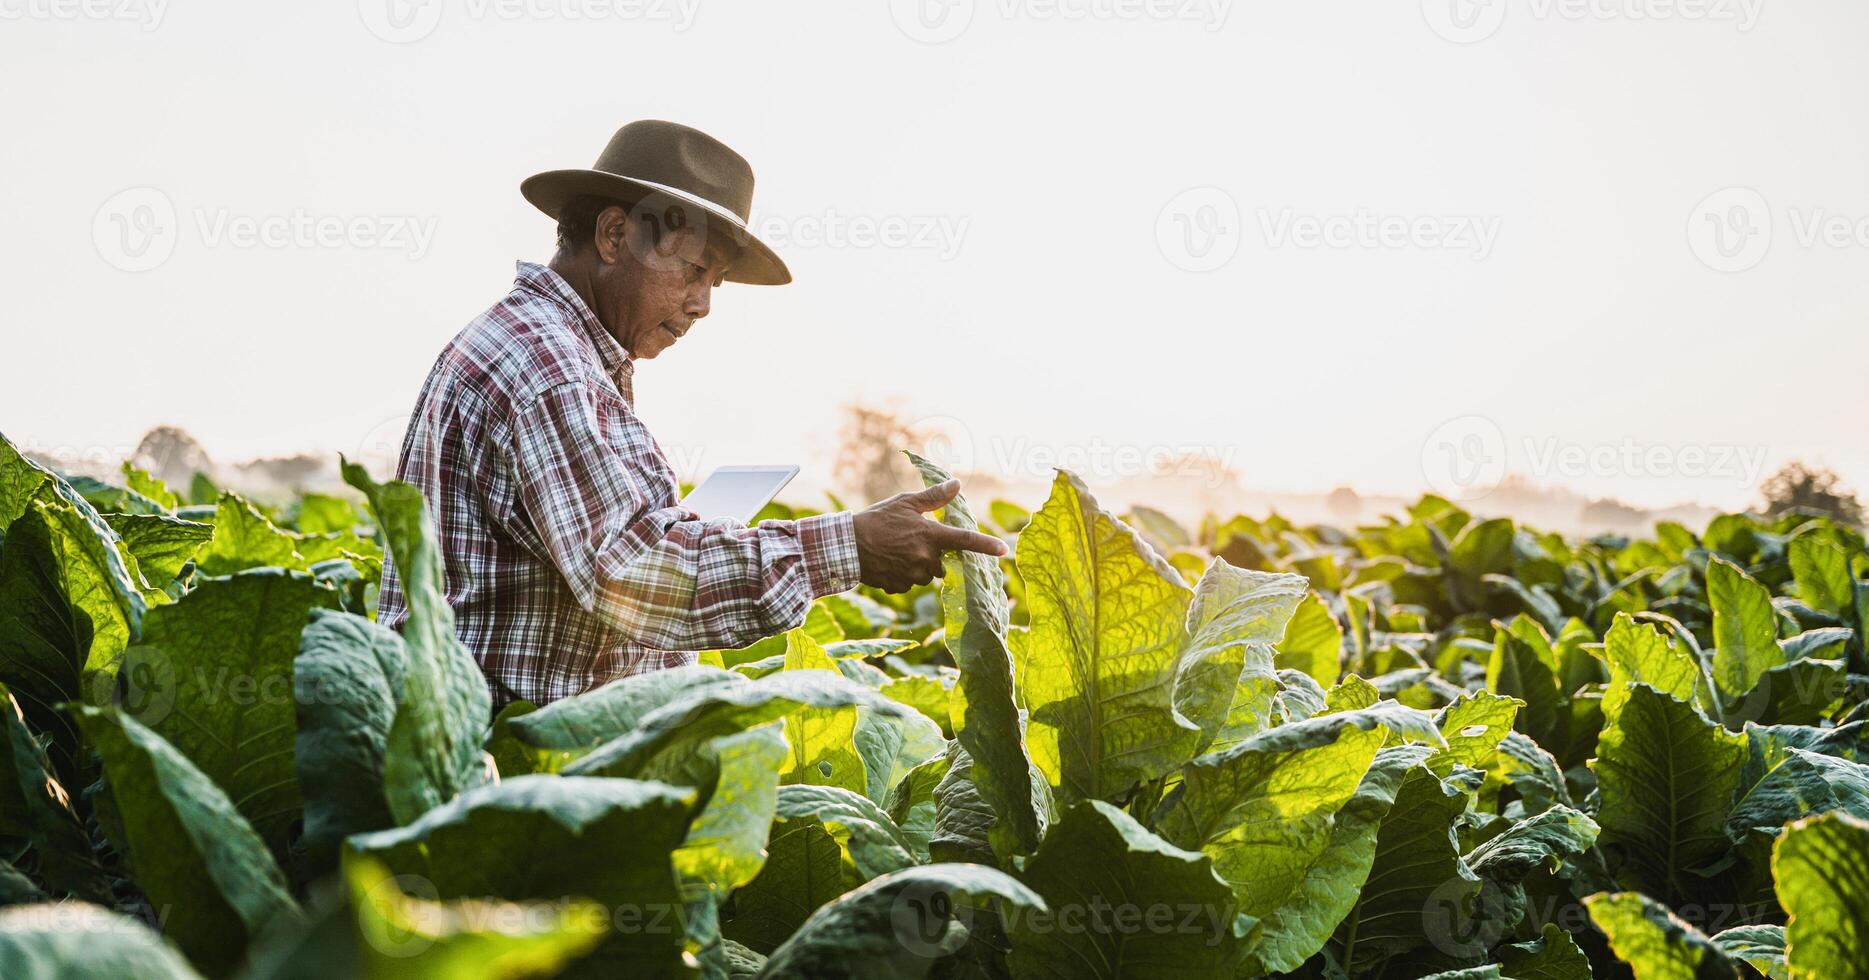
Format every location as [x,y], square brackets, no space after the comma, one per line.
[956,539]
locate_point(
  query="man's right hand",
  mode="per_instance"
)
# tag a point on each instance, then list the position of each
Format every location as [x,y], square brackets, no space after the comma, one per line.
[899,549]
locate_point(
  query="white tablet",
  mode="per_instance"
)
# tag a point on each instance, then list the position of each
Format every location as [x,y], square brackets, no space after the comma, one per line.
[738,491]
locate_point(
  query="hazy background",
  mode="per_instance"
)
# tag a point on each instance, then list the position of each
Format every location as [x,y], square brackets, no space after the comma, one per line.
[1101,205]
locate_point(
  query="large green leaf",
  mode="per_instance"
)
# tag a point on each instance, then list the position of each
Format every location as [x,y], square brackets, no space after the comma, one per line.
[1306,892]
[1745,630]
[543,837]
[243,538]
[1667,777]
[1473,725]
[1641,653]
[21,482]
[37,808]
[1098,666]
[1554,955]
[1417,870]
[871,840]
[975,609]
[1788,774]
[68,607]
[891,746]
[347,681]
[962,820]
[894,927]
[161,545]
[1109,885]
[912,805]
[1821,866]
[1543,840]
[213,676]
[667,735]
[1241,800]
[805,869]
[583,722]
[191,851]
[1523,666]
[1760,947]
[726,844]
[1313,642]
[413,936]
[434,742]
[76,940]
[1653,942]
[1822,571]
[823,744]
[1226,681]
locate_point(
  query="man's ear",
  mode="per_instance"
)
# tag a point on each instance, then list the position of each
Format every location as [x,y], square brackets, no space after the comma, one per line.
[612,234]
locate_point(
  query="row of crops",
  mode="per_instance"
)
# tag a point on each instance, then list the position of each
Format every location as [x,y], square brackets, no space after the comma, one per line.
[1438,746]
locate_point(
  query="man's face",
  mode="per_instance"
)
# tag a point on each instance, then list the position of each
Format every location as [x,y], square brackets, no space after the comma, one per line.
[651,292]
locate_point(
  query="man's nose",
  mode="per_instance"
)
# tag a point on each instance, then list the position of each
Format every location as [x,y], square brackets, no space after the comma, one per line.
[700,300]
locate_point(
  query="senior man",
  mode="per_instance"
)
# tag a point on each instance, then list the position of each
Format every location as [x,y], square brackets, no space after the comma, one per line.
[570,561]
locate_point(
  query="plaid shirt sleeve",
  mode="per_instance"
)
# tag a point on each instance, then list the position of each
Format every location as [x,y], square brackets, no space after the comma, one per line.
[655,572]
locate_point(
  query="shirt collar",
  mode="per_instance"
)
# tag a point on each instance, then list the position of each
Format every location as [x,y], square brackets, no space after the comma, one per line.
[617,361]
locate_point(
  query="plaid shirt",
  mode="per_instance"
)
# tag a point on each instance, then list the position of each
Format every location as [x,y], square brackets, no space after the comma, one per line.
[570,561]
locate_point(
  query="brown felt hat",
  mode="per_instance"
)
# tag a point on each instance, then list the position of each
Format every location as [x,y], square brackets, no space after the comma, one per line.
[651,157]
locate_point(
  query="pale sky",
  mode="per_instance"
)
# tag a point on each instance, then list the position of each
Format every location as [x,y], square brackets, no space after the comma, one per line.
[1322,240]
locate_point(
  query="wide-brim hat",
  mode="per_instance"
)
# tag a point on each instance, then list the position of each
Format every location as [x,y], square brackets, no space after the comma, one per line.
[680,164]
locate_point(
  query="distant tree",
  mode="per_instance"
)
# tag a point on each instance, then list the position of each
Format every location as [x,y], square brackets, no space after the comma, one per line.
[1615,513]
[1799,486]
[172,455]
[1345,503]
[870,464]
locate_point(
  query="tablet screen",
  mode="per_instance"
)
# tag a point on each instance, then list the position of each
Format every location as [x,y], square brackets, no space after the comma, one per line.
[738,491]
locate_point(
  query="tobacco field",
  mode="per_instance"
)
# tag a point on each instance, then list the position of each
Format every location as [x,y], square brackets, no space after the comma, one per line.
[1438,746]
